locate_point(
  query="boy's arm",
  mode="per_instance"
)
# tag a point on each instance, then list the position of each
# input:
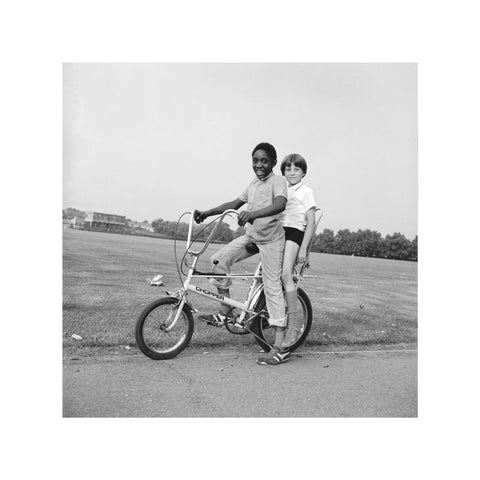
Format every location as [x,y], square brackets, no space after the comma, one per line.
[309,232]
[276,207]
[199,215]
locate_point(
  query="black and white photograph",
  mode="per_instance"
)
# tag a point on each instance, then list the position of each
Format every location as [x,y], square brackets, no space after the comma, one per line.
[296,184]
[266,262]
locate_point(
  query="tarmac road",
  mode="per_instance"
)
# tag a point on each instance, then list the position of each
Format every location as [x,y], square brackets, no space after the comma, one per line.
[228,383]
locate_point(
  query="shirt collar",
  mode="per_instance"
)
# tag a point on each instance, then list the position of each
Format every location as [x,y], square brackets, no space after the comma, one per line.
[266,178]
[296,186]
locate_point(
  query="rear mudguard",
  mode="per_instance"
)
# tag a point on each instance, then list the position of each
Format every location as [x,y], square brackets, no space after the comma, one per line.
[256,296]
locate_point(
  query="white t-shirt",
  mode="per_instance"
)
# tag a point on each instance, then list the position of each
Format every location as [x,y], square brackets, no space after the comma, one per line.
[300,200]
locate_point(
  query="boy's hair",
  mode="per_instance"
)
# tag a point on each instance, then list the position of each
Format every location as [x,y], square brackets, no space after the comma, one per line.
[270,149]
[295,159]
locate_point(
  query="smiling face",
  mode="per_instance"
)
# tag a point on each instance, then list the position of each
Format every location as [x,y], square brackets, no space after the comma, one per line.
[293,174]
[262,164]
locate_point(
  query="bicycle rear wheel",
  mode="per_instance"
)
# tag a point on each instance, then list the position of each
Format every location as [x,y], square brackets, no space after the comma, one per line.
[153,332]
[265,333]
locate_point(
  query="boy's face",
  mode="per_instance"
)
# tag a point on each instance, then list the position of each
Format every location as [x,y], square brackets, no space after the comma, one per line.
[262,164]
[293,174]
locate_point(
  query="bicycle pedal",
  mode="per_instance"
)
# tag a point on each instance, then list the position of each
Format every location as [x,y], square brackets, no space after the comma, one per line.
[245,324]
[216,324]
[212,320]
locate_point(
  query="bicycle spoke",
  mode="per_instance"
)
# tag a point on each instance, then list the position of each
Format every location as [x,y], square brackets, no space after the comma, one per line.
[156,335]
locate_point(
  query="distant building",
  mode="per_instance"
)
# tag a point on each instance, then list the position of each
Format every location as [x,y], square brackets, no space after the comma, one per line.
[105,221]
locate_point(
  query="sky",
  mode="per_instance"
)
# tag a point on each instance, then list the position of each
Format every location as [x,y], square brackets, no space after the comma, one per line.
[156,140]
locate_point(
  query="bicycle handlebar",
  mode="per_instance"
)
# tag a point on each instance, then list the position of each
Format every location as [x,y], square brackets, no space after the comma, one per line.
[212,233]
[318,215]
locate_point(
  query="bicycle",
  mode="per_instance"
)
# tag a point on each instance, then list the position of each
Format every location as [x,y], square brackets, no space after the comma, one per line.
[165,326]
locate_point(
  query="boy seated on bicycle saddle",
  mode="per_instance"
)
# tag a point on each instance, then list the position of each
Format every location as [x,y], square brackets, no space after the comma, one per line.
[266,197]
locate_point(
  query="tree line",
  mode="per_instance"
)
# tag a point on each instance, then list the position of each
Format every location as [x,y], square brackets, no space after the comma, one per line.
[362,243]
[366,243]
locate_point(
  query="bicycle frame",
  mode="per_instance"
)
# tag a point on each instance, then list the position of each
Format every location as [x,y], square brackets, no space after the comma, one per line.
[255,287]
[188,286]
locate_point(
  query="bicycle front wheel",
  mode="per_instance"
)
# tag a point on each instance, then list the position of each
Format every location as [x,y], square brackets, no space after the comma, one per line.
[265,333]
[157,336]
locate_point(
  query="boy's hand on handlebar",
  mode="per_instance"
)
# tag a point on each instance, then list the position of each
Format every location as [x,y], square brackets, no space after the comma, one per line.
[244,218]
[302,256]
[199,216]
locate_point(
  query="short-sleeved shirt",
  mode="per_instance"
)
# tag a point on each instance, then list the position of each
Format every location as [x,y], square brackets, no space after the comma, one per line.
[261,194]
[300,199]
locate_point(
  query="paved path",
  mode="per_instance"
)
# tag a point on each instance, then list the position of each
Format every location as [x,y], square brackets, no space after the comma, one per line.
[228,383]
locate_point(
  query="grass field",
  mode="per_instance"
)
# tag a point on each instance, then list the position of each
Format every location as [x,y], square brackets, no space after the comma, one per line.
[356,301]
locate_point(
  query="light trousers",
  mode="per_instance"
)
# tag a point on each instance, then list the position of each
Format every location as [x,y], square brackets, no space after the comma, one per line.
[271,256]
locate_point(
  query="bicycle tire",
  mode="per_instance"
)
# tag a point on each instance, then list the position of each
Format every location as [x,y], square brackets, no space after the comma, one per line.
[264,332]
[150,330]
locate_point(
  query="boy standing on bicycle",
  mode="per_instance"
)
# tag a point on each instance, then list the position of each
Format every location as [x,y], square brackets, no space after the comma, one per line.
[299,225]
[266,197]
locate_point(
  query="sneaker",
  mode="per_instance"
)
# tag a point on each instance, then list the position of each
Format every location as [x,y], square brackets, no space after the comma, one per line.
[274,357]
[216,319]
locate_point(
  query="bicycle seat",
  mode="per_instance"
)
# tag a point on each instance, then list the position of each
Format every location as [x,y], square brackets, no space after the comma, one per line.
[252,248]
